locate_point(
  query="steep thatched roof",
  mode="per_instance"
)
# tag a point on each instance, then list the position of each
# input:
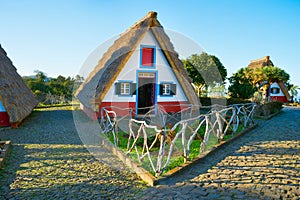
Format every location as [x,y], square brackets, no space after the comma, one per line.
[284,90]
[265,61]
[94,89]
[15,96]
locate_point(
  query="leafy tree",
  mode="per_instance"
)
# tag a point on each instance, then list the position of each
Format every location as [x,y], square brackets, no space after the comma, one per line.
[265,76]
[240,85]
[205,70]
[52,90]
[268,74]
[77,82]
[38,83]
[294,91]
[40,76]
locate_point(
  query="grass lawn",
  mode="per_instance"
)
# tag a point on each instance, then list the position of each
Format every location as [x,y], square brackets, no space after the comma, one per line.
[177,158]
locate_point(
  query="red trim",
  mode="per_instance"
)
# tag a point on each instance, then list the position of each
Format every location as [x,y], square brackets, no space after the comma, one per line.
[173,106]
[279,98]
[124,107]
[4,119]
[170,107]
[90,113]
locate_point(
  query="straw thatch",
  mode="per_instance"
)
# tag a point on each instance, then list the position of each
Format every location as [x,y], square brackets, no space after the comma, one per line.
[265,61]
[15,96]
[284,90]
[94,89]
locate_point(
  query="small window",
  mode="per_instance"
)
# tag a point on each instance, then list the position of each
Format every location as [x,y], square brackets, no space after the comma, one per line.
[125,88]
[275,90]
[147,56]
[167,89]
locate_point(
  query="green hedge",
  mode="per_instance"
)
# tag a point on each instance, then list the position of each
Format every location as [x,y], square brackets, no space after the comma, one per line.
[268,108]
[206,101]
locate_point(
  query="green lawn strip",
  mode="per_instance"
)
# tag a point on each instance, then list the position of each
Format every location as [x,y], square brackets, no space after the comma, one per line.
[177,157]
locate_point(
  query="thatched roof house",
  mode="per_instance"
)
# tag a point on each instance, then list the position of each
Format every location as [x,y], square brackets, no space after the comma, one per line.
[15,96]
[100,81]
[277,91]
[265,61]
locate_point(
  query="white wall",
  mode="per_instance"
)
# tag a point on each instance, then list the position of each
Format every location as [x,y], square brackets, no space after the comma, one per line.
[276,86]
[129,73]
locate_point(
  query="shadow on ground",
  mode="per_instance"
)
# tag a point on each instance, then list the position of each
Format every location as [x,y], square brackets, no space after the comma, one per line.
[49,161]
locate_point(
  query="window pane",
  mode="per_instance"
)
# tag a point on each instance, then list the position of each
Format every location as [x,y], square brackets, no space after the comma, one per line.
[275,90]
[147,56]
[166,89]
[125,88]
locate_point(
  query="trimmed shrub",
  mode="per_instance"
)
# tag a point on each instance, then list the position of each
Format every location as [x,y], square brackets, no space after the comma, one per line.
[206,101]
[268,108]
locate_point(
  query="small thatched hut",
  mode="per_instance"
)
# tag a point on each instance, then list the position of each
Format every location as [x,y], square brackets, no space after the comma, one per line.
[140,70]
[277,91]
[265,61]
[16,99]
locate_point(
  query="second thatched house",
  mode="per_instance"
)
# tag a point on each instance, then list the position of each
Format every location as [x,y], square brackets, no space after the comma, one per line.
[278,90]
[16,99]
[139,71]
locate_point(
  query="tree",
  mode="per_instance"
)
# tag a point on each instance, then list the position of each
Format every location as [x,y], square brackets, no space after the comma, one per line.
[265,76]
[205,70]
[58,89]
[246,79]
[294,91]
[270,74]
[41,76]
[240,85]
[78,80]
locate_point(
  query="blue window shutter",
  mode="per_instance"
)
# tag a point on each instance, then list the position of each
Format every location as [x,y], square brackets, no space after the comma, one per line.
[118,88]
[161,89]
[133,88]
[173,89]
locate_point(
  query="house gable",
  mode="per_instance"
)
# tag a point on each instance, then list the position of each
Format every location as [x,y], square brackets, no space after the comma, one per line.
[134,66]
[280,89]
[93,91]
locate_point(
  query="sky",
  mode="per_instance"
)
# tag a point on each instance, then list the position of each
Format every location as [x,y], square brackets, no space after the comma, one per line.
[56,36]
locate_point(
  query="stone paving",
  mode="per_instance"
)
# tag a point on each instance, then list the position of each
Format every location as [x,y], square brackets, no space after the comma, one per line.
[263,164]
[49,161]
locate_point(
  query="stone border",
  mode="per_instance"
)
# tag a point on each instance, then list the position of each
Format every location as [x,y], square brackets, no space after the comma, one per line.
[60,105]
[4,153]
[267,117]
[139,170]
[188,164]
[149,178]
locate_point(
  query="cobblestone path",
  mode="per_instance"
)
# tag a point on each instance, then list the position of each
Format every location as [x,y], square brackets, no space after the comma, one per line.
[49,161]
[262,164]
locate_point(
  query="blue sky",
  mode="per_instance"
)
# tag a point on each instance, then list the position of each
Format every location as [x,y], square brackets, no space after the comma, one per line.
[57,36]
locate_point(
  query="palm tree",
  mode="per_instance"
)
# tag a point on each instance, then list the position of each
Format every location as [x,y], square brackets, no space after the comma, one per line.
[294,91]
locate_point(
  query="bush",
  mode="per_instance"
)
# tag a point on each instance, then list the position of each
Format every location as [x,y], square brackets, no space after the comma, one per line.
[268,108]
[206,101]
[231,101]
